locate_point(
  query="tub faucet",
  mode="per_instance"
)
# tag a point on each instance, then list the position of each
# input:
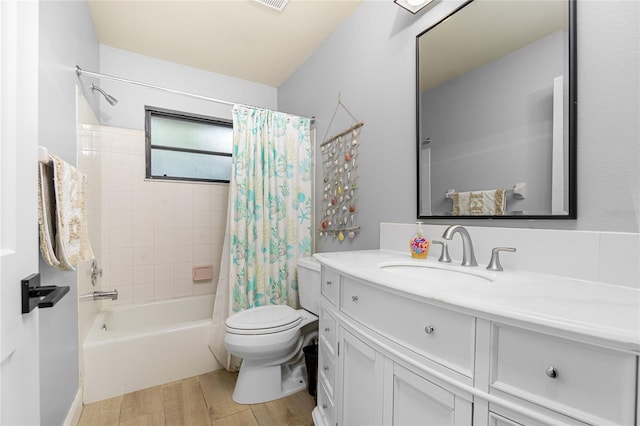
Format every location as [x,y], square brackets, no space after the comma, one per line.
[468,257]
[99,295]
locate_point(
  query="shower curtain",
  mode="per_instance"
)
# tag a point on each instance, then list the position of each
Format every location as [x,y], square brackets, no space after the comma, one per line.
[268,217]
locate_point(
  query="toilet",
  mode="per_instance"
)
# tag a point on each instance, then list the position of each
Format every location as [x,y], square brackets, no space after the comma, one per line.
[269,339]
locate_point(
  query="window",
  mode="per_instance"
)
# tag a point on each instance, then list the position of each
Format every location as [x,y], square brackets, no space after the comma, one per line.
[181,146]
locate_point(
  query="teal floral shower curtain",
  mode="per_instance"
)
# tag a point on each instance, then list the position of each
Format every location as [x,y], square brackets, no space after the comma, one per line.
[269,223]
[270,206]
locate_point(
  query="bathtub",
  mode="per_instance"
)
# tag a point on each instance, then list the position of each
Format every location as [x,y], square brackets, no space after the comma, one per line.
[133,347]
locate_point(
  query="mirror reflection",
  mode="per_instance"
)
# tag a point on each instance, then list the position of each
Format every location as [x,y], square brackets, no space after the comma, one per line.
[496,119]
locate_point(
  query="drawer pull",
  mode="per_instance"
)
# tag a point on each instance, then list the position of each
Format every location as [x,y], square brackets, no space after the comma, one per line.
[325,368]
[354,299]
[552,372]
[328,282]
[429,329]
[326,329]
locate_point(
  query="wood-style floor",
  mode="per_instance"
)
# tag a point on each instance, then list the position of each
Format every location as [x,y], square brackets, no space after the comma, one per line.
[201,400]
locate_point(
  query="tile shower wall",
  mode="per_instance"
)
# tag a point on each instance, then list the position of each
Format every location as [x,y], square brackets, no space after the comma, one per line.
[88,160]
[154,232]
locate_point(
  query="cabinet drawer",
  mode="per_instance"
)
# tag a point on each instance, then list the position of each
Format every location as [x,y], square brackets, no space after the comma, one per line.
[564,375]
[441,335]
[330,285]
[326,368]
[328,330]
[325,404]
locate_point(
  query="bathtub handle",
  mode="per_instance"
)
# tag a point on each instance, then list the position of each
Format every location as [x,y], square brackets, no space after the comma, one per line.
[95,272]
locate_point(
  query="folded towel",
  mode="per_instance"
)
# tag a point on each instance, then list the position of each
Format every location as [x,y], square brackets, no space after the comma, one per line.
[479,203]
[46,214]
[64,240]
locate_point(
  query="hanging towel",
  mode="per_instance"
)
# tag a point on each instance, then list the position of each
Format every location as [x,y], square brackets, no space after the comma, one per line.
[46,214]
[479,203]
[64,240]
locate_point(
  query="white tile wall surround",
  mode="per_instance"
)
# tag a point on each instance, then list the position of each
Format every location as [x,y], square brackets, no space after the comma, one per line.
[151,233]
[607,257]
[89,159]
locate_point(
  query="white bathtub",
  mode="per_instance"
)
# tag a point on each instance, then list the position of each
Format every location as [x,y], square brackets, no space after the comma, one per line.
[146,345]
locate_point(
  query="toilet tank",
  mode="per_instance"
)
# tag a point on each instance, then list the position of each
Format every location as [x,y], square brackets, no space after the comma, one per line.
[309,284]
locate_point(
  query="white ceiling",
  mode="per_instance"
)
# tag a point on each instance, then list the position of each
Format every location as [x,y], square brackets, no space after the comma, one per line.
[238,38]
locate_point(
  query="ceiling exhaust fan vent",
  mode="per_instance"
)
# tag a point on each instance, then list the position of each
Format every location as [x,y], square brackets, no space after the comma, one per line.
[274,4]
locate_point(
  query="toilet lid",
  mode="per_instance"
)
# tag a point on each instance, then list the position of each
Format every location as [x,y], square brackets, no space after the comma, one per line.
[263,320]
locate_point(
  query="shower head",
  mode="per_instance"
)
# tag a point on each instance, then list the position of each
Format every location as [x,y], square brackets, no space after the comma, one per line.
[112,101]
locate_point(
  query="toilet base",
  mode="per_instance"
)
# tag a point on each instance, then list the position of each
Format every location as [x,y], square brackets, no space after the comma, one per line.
[257,383]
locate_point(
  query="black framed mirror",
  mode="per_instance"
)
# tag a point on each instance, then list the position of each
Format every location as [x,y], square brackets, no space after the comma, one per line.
[496,111]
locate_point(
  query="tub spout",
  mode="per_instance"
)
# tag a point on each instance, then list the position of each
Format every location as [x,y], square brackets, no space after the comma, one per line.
[99,295]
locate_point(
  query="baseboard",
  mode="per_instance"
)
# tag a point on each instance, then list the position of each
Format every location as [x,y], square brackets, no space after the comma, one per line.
[73,416]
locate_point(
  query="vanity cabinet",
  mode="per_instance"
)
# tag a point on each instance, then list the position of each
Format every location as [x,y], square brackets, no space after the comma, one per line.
[579,379]
[389,358]
[361,382]
[418,401]
[362,378]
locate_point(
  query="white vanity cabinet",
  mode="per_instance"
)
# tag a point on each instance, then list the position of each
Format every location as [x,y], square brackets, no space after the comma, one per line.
[361,382]
[371,386]
[582,380]
[391,358]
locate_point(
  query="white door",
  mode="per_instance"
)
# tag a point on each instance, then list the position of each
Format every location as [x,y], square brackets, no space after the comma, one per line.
[362,382]
[417,401]
[19,352]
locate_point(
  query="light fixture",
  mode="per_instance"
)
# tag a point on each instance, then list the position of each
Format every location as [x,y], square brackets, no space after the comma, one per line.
[413,6]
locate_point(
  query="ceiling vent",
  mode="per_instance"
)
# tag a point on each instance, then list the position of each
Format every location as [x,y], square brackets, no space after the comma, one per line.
[274,4]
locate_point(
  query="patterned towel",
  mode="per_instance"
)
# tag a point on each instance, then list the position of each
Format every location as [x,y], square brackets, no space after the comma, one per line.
[64,240]
[479,203]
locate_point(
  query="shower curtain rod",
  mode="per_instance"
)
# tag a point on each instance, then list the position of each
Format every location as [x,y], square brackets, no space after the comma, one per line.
[80,71]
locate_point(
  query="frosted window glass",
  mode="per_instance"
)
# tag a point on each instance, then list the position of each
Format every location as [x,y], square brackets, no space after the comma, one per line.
[190,165]
[180,133]
[188,147]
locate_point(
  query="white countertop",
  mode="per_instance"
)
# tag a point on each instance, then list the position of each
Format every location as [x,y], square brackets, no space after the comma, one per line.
[590,309]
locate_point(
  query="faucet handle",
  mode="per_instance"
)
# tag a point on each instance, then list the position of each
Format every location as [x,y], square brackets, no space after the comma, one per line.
[444,255]
[494,264]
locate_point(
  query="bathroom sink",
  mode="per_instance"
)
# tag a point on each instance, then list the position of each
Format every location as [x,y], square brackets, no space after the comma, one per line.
[428,271]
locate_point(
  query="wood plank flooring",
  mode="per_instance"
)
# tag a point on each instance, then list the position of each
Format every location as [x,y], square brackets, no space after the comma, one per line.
[197,401]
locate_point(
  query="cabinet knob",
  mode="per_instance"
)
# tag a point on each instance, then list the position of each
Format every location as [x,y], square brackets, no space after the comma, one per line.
[354,299]
[324,406]
[325,368]
[552,372]
[429,329]
[328,282]
[326,329]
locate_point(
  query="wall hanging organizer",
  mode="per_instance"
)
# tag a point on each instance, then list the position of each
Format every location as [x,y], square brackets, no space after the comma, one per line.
[339,202]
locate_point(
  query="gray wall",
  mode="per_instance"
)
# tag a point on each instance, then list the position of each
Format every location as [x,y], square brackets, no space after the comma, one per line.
[129,112]
[67,38]
[370,61]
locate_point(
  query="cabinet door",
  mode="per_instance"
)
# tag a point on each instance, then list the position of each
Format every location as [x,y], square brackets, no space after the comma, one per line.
[362,380]
[417,401]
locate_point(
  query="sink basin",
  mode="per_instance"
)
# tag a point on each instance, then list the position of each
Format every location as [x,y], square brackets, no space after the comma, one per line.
[431,272]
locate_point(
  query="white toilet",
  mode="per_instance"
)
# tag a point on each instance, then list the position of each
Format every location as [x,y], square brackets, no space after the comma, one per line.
[269,339]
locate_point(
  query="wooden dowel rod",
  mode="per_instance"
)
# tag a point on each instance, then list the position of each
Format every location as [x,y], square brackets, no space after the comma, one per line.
[350,129]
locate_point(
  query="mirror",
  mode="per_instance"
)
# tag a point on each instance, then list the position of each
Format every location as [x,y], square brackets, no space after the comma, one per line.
[496,94]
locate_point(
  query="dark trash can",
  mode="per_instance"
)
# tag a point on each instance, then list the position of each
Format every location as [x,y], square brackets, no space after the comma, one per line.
[311,362]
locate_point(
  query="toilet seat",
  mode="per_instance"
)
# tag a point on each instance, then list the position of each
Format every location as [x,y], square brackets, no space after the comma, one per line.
[263,320]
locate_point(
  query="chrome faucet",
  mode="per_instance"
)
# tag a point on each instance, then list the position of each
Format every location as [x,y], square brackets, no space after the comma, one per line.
[468,257]
[98,295]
